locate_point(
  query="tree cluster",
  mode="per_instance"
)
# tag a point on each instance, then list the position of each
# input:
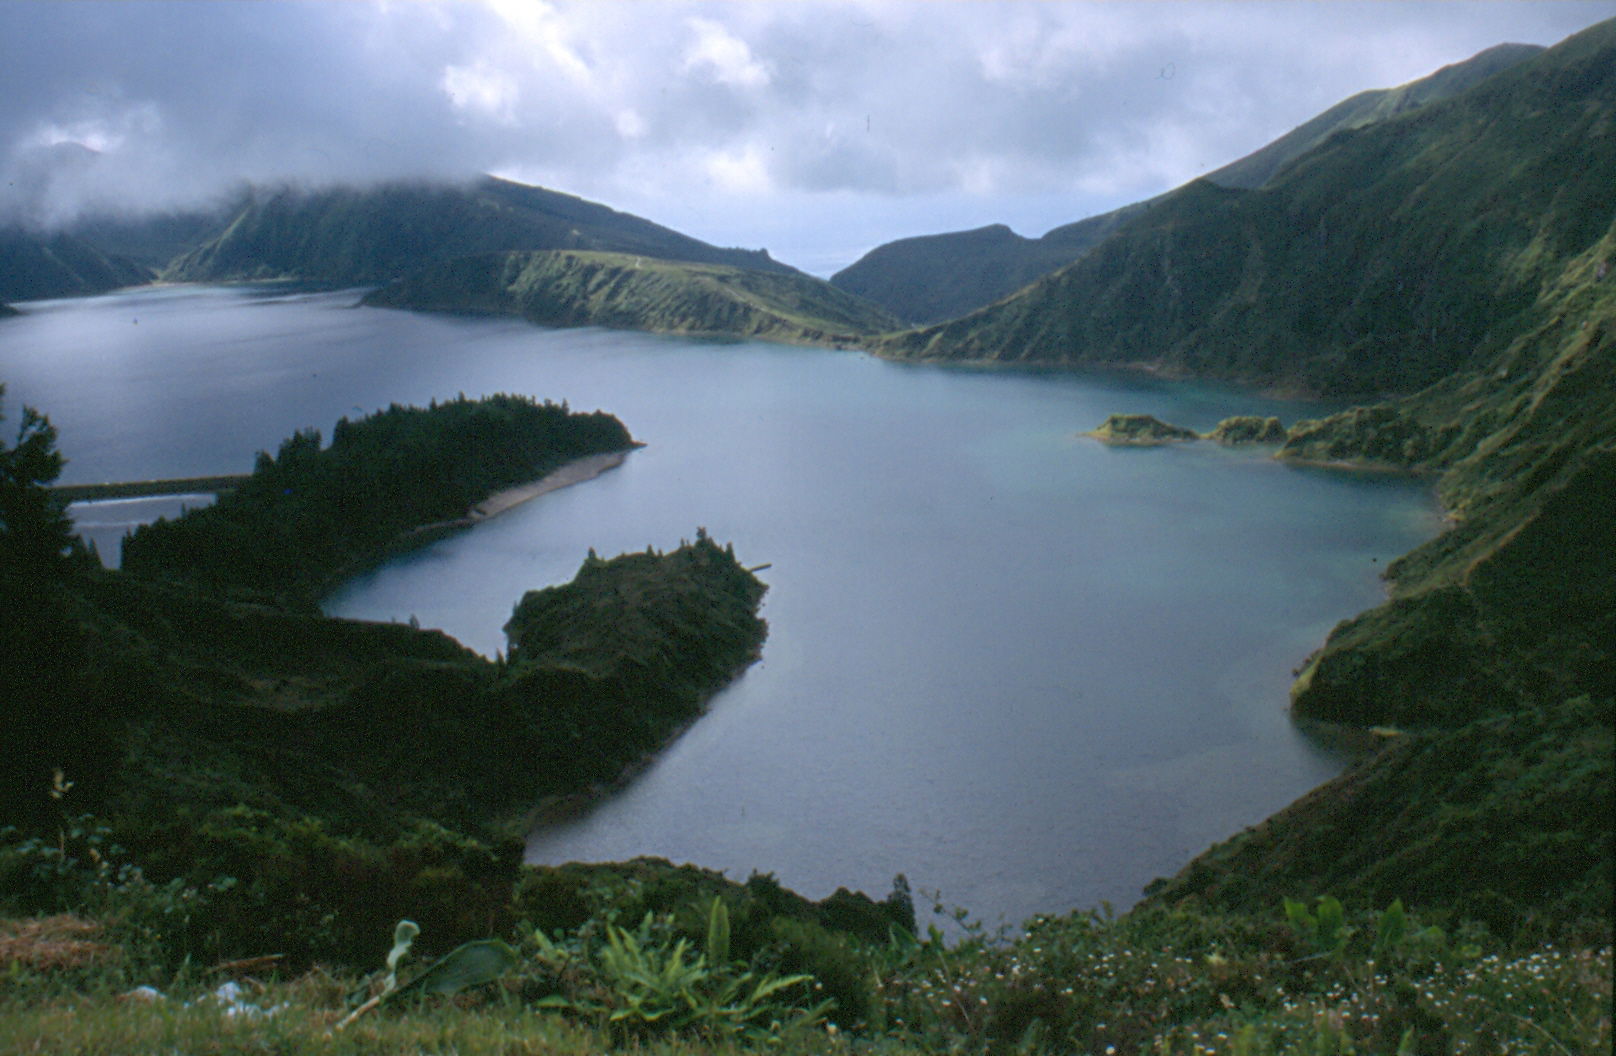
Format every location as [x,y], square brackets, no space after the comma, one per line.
[311,514]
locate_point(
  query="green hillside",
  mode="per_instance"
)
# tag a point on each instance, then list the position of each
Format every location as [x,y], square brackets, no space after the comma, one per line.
[36,266]
[371,235]
[342,773]
[1367,108]
[1382,261]
[934,278]
[1492,668]
[572,288]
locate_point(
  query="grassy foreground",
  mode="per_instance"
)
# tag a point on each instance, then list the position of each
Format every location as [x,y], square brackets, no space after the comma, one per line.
[1298,981]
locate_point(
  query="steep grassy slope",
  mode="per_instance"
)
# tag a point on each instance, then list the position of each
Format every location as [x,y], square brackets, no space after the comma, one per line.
[938,277]
[1382,261]
[36,266]
[1366,108]
[347,235]
[1514,605]
[1505,821]
[1497,651]
[569,288]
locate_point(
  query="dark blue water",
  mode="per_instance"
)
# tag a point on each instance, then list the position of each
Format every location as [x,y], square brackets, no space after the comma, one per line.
[1029,671]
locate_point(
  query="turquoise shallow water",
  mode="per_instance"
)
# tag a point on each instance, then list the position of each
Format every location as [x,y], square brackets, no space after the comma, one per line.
[1029,671]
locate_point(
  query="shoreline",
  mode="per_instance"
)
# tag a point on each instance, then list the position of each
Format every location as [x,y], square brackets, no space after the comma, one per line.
[575,472]
[588,467]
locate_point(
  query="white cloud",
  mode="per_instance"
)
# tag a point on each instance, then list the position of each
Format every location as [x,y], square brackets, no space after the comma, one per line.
[482,90]
[702,114]
[742,171]
[723,56]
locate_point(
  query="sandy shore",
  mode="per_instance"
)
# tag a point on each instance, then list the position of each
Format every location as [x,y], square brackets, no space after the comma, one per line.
[574,472]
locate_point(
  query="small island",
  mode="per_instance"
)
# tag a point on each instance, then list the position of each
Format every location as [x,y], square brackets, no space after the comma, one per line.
[1140,430]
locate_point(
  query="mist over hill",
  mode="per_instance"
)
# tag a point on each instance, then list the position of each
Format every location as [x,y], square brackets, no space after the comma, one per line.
[369,235]
[933,278]
[35,266]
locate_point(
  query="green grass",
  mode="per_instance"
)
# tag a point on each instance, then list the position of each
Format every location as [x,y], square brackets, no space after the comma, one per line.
[1154,981]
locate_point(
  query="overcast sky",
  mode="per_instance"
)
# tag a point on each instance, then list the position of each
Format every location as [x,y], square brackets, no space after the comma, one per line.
[818,130]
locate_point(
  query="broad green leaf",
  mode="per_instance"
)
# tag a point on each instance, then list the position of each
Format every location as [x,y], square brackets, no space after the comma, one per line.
[471,964]
[717,933]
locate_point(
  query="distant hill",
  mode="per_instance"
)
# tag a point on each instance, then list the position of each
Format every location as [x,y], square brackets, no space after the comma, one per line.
[577,288]
[34,266]
[372,235]
[933,278]
[153,241]
[1379,262]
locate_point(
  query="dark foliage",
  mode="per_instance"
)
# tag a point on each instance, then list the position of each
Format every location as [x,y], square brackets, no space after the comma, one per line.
[310,515]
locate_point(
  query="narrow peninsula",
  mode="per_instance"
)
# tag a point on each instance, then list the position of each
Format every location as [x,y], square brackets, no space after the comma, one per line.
[311,515]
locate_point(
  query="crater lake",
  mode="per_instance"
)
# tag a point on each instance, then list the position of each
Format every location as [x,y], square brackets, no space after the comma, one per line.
[1027,670]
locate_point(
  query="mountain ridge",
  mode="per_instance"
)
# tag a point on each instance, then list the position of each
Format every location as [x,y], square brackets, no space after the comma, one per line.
[932,278]
[1379,262]
[361,236]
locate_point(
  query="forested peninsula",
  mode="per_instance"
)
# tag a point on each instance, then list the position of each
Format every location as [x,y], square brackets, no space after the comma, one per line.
[312,515]
[341,773]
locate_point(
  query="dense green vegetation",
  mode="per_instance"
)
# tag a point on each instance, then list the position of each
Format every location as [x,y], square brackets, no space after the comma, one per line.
[573,288]
[1240,429]
[1138,430]
[303,781]
[1144,430]
[310,515]
[199,777]
[1494,654]
[934,278]
[657,959]
[930,278]
[357,236]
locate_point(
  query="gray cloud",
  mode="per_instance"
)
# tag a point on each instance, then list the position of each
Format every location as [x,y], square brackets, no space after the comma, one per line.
[704,115]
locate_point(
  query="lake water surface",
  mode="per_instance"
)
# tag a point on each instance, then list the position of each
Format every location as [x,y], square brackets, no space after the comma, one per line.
[1029,671]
